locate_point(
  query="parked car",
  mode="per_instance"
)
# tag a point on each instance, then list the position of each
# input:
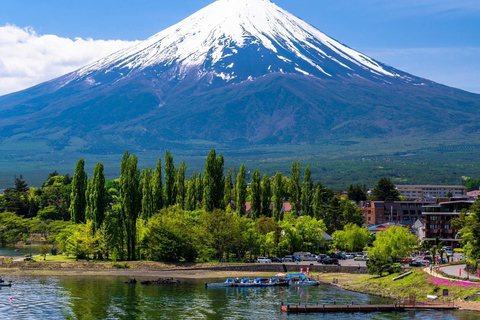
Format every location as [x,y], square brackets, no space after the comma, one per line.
[320,257]
[288,259]
[338,255]
[329,260]
[264,260]
[349,255]
[407,260]
[296,259]
[276,259]
[360,258]
[417,264]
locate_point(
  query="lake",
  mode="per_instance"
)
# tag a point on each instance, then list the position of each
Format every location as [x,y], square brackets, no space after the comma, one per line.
[91,297]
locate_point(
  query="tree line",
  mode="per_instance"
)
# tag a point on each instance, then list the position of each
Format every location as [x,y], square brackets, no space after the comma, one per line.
[147,212]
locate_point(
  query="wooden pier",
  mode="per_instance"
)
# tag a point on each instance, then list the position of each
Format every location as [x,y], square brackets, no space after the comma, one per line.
[336,308]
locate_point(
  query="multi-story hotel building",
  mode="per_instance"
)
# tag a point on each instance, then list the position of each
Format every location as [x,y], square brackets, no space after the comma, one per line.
[413,192]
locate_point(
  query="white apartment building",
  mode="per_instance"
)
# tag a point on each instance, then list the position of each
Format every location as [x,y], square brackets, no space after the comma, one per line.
[413,192]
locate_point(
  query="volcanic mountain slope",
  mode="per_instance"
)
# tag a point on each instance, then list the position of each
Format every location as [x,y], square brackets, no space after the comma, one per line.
[237,71]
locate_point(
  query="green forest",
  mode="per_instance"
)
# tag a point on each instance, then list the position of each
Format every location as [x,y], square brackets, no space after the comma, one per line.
[160,214]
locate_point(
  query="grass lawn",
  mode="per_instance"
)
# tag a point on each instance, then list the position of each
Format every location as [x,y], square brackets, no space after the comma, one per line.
[415,284]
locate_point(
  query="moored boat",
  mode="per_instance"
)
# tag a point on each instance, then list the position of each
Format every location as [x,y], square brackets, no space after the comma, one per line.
[246,282]
[264,282]
[229,282]
[300,280]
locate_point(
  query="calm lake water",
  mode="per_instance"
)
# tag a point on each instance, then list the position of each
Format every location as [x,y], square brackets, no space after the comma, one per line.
[10,251]
[89,297]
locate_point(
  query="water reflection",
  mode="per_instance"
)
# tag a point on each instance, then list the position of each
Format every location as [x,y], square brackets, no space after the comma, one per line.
[90,297]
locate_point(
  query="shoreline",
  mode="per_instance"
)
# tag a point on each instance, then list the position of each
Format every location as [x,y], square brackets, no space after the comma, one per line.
[201,272]
[343,283]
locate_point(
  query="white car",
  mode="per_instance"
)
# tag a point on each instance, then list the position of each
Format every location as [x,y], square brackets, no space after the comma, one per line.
[263,260]
[349,255]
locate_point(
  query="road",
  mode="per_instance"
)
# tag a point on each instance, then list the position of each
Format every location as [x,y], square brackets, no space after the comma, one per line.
[454,271]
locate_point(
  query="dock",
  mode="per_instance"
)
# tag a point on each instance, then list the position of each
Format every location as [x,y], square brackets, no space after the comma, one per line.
[348,308]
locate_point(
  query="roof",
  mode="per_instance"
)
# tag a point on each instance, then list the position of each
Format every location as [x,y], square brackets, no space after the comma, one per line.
[430,186]
[474,193]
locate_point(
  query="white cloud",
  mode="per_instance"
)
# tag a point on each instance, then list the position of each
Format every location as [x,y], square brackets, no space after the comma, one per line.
[27,58]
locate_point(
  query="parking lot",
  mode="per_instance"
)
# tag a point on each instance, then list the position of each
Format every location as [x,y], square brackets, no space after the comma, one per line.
[347,262]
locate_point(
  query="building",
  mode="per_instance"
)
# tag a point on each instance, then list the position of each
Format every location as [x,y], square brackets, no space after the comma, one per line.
[474,193]
[402,212]
[438,219]
[414,192]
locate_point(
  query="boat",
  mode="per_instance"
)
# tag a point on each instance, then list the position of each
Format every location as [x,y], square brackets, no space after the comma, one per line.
[246,282]
[300,280]
[229,282]
[279,281]
[3,284]
[264,282]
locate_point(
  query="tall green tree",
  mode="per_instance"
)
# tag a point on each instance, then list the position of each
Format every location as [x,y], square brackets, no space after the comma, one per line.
[266,196]
[307,193]
[295,188]
[180,186]
[148,207]
[385,191]
[214,182]
[199,195]
[470,233]
[389,247]
[357,193]
[157,187]
[169,180]
[227,194]
[256,194]
[352,238]
[79,187]
[241,191]
[278,192]
[96,197]
[130,200]
[191,199]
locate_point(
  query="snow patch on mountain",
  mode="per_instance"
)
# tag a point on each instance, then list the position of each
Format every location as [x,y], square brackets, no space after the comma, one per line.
[219,31]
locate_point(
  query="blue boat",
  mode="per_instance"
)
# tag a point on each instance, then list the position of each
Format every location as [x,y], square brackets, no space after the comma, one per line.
[246,282]
[300,280]
[264,282]
[229,282]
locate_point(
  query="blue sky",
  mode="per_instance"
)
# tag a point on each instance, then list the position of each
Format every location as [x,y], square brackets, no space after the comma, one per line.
[435,39]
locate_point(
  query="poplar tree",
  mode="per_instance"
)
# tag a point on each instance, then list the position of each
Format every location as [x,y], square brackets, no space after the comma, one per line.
[278,197]
[169,179]
[130,200]
[157,187]
[307,193]
[256,195]
[295,187]
[241,191]
[191,199]
[199,190]
[180,187]
[213,182]
[148,209]
[227,194]
[96,198]
[79,187]
[266,196]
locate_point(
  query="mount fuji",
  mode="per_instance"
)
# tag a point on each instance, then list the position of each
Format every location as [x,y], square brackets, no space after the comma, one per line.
[238,73]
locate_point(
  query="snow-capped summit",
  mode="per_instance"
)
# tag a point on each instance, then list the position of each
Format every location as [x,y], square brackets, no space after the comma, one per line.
[237,72]
[267,38]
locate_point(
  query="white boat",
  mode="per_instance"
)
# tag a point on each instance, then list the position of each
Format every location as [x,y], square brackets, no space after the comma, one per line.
[228,283]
